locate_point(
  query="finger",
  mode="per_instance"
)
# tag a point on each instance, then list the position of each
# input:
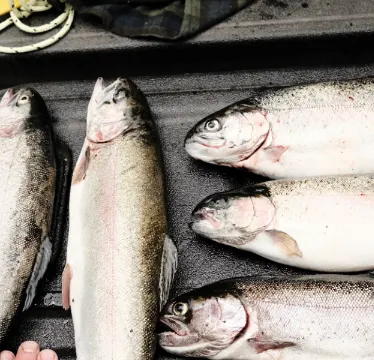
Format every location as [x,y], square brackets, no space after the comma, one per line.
[28,350]
[7,355]
[47,355]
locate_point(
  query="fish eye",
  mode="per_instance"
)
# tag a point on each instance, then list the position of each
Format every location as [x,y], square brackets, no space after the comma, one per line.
[23,99]
[180,308]
[120,94]
[213,125]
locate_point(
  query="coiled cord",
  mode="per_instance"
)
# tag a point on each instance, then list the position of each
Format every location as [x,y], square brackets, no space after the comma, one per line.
[25,11]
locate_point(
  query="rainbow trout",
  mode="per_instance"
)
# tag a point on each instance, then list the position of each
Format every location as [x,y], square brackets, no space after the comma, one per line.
[315,317]
[120,261]
[321,223]
[27,189]
[300,131]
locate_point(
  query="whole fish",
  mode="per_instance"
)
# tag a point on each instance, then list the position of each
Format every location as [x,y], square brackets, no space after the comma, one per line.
[321,223]
[120,262]
[301,131]
[27,187]
[315,317]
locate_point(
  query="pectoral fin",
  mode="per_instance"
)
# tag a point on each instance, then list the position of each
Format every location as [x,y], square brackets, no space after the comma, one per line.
[285,242]
[81,167]
[40,267]
[66,277]
[168,269]
[63,178]
[274,153]
[261,346]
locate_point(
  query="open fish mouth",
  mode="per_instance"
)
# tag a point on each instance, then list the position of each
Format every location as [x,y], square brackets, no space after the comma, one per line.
[168,326]
[208,215]
[173,333]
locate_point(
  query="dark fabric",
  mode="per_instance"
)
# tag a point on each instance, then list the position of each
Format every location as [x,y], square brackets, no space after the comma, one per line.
[163,19]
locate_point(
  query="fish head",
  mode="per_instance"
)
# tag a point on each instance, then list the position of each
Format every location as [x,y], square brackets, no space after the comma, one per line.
[234,217]
[199,325]
[20,110]
[114,110]
[229,136]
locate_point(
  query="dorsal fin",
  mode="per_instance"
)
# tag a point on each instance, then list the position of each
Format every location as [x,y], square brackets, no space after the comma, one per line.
[249,190]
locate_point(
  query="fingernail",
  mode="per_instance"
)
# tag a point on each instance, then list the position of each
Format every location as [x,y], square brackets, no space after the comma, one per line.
[47,355]
[30,347]
[6,356]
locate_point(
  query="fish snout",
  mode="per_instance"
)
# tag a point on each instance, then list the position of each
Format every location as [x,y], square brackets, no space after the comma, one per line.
[170,324]
[189,137]
[9,95]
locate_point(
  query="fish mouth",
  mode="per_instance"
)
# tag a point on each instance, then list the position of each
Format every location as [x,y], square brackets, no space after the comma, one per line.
[189,139]
[193,137]
[169,325]
[204,214]
[216,145]
[105,92]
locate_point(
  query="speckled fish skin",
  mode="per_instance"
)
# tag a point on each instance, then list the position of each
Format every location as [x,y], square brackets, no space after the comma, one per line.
[307,130]
[320,223]
[27,185]
[314,317]
[117,228]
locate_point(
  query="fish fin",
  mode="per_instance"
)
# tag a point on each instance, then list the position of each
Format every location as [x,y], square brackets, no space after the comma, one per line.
[274,153]
[252,190]
[168,268]
[63,178]
[66,277]
[261,345]
[81,167]
[285,242]
[40,267]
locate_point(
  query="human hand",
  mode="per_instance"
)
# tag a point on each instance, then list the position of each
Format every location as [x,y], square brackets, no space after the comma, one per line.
[29,350]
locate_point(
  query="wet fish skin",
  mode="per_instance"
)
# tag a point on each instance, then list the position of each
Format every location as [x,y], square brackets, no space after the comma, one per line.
[310,317]
[320,223]
[117,229]
[286,132]
[27,186]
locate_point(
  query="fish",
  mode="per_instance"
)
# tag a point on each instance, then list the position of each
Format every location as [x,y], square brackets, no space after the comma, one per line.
[319,223]
[121,259]
[295,317]
[317,129]
[27,194]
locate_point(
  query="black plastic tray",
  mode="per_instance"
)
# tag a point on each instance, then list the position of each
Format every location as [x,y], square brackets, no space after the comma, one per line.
[180,92]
